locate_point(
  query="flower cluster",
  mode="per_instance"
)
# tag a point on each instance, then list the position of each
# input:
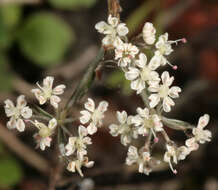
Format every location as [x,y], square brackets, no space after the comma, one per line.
[74,152]
[76,148]
[157,91]
[148,123]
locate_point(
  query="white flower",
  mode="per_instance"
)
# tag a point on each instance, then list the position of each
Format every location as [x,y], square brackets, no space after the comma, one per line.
[163,45]
[142,158]
[174,154]
[171,156]
[164,92]
[77,164]
[17,113]
[192,144]
[46,92]
[143,73]
[113,30]
[124,129]
[78,144]
[125,52]
[43,138]
[42,142]
[200,135]
[93,115]
[148,33]
[146,122]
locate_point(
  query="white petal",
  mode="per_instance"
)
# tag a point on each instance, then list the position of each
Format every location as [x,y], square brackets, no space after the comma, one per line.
[58,90]
[101,26]
[48,82]
[122,30]
[122,117]
[132,74]
[113,21]
[167,103]
[203,121]
[166,79]
[20,125]
[154,62]
[71,166]
[90,105]
[174,92]
[102,107]
[142,60]
[9,108]
[11,124]
[26,112]
[82,131]
[109,40]
[52,123]
[92,129]
[114,130]
[54,100]
[143,112]
[154,100]
[86,116]
[138,85]
[21,102]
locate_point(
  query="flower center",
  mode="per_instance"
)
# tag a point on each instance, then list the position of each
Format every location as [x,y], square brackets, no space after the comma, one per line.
[145,74]
[163,91]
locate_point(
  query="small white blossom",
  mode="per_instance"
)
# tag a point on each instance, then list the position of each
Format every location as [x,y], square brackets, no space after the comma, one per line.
[148,33]
[46,92]
[125,52]
[163,48]
[174,154]
[17,113]
[142,158]
[42,142]
[143,73]
[146,122]
[78,144]
[43,138]
[171,156]
[76,165]
[113,30]
[124,129]
[164,92]
[200,135]
[93,115]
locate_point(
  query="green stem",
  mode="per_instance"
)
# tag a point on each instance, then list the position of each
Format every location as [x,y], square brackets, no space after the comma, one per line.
[43,112]
[176,124]
[86,81]
[144,97]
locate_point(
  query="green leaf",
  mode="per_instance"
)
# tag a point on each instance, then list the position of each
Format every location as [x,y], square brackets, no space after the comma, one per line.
[10,172]
[45,38]
[72,4]
[5,76]
[10,15]
[9,18]
[117,79]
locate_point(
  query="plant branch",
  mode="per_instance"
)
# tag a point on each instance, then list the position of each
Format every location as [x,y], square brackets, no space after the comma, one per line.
[176,124]
[86,81]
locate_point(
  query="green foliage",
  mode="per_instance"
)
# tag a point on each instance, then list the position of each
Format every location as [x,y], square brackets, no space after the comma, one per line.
[9,18]
[5,76]
[45,38]
[10,172]
[72,4]
[117,78]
